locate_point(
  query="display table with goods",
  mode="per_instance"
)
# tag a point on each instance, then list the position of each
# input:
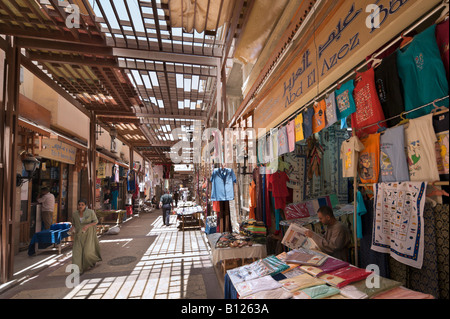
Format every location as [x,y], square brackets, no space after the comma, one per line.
[108,216]
[54,239]
[189,216]
[230,249]
[310,274]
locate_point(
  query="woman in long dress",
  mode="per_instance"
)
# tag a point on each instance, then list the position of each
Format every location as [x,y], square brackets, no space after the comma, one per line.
[86,248]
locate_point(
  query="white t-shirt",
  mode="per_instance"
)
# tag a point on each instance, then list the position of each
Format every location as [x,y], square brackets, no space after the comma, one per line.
[48,202]
[420,141]
[349,155]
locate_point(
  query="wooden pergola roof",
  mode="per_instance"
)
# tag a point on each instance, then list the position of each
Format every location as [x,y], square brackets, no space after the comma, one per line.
[127,62]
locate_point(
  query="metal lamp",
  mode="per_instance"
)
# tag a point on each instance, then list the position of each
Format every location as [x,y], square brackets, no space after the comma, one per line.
[30,164]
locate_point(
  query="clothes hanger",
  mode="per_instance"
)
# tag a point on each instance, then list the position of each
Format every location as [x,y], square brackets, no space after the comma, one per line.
[444,14]
[438,109]
[405,41]
[403,119]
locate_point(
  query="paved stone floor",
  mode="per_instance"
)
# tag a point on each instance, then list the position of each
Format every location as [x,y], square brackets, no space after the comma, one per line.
[146,260]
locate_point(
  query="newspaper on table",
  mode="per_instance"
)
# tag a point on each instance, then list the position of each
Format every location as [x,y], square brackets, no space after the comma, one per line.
[295,238]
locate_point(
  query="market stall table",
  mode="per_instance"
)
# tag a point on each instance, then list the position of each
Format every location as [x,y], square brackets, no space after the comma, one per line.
[56,236]
[102,214]
[255,251]
[190,216]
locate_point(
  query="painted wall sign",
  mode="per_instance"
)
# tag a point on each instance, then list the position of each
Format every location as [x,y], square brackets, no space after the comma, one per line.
[352,31]
[58,151]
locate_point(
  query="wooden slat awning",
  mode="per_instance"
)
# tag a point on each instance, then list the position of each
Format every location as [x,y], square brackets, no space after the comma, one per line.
[128,61]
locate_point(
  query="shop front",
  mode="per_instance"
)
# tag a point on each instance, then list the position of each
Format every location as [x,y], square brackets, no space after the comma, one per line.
[339,123]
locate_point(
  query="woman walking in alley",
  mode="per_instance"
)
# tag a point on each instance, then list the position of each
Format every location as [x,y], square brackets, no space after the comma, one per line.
[86,248]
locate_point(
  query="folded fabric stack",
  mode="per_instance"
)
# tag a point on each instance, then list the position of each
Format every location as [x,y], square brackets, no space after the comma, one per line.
[301,282]
[316,292]
[254,229]
[344,276]
[305,257]
[376,286]
[270,265]
[331,264]
[253,286]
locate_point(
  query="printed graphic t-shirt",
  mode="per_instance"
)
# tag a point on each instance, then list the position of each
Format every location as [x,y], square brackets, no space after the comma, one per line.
[369,159]
[420,142]
[349,155]
[307,122]
[344,100]
[283,146]
[422,73]
[393,163]
[368,106]
[331,115]
[441,128]
[299,128]
[318,121]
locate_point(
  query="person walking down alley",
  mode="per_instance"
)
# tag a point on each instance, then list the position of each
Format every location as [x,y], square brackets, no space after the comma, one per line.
[86,248]
[175,197]
[166,203]
[47,200]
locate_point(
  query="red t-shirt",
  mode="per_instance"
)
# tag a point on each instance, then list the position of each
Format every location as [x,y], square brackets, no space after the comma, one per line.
[278,182]
[368,106]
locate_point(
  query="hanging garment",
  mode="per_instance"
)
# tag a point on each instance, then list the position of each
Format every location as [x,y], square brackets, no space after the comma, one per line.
[360,210]
[283,143]
[252,202]
[369,159]
[299,128]
[442,35]
[349,155]
[393,162]
[422,73]
[131,181]
[318,120]
[344,100]
[290,129]
[307,122]
[420,142]
[330,112]
[389,89]
[222,184]
[398,221]
[368,106]
[441,128]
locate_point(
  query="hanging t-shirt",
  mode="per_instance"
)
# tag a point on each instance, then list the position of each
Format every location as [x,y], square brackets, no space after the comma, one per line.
[368,106]
[344,100]
[393,163]
[318,121]
[389,89]
[290,129]
[222,188]
[262,150]
[349,155]
[442,34]
[307,122]
[420,142]
[369,159]
[441,128]
[283,143]
[299,128]
[331,115]
[278,184]
[422,73]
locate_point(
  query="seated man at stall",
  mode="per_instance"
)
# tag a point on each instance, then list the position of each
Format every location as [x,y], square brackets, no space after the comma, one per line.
[336,239]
